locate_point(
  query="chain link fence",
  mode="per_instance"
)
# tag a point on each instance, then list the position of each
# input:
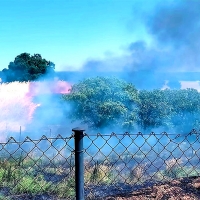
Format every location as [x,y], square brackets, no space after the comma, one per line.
[95,166]
[37,169]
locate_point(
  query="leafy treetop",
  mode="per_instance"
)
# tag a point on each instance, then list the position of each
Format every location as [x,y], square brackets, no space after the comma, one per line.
[103,101]
[27,67]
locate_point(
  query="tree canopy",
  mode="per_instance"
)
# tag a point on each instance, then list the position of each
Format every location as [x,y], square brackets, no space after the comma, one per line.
[110,102]
[103,101]
[177,110]
[185,109]
[27,67]
[153,109]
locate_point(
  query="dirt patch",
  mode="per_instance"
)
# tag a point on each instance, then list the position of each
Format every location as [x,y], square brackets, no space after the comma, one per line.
[180,189]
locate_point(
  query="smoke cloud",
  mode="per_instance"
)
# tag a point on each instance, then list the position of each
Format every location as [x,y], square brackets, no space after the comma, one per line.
[176,23]
[30,108]
[175,26]
[172,27]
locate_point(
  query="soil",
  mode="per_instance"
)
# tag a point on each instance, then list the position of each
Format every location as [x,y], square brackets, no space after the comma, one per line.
[180,189]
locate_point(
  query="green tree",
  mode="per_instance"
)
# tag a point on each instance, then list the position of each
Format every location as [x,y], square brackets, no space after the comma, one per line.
[27,67]
[103,101]
[153,109]
[177,110]
[185,109]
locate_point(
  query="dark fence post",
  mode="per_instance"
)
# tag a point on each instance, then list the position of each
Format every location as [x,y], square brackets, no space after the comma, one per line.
[79,163]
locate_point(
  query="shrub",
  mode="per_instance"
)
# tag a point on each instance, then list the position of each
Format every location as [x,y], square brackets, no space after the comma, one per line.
[173,168]
[137,173]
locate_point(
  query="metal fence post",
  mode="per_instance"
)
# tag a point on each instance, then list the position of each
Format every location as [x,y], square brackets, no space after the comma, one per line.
[79,163]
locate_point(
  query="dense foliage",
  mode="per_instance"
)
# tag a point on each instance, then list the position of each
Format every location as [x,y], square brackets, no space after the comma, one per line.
[27,67]
[185,109]
[102,102]
[153,109]
[178,110]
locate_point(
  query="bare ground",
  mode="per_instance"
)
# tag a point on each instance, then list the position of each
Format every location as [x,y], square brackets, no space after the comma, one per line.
[180,189]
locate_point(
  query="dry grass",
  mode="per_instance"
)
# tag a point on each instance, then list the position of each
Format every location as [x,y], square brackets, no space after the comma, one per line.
[137,174]
[97,174]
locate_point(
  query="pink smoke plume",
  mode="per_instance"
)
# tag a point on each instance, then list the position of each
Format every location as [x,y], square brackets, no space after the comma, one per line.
[48,87]
[17,107]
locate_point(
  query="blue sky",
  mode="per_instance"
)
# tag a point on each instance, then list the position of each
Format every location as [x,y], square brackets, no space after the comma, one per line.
[152,35]
[67,32]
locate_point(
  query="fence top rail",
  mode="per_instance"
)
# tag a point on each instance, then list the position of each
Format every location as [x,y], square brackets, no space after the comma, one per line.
[44,137]
[11,140]
[193,132]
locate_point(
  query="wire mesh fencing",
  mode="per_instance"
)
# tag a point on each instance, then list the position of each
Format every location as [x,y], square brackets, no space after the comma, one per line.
[97,166]
[123,165]
[37,169]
